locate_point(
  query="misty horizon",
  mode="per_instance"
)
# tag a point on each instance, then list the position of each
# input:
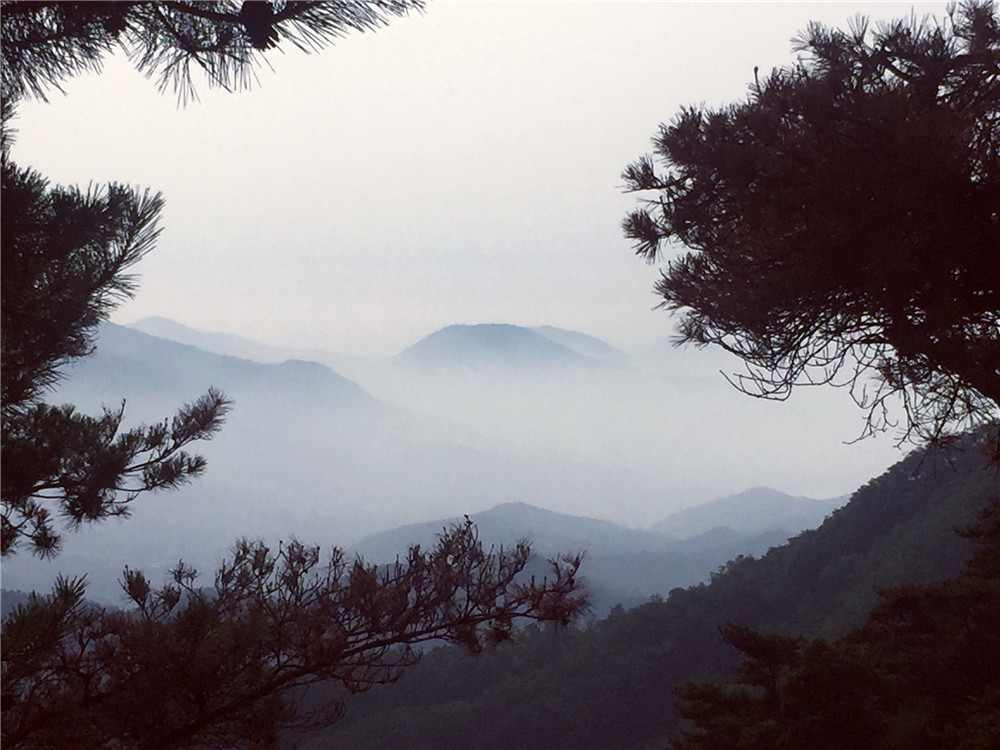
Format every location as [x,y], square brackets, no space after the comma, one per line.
[462,165]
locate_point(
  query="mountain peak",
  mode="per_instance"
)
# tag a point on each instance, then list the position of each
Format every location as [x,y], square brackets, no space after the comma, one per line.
[582,343]
[490,344]
[751,511]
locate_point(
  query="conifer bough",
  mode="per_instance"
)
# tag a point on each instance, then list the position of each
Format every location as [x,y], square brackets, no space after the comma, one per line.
[842,225]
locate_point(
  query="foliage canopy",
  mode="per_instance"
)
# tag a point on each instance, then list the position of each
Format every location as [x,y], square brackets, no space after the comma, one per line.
[844,221]
[225,666]
[920,673]
[45,43]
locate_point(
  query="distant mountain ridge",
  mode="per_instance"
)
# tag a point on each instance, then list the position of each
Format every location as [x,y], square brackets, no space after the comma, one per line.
[482,344]
[583,343]
[305,452]
[308,452]
[231,345]
[609,685]
[548,531]
[754,511]
[130,362]
[621,565]
[498,344]
[291,434]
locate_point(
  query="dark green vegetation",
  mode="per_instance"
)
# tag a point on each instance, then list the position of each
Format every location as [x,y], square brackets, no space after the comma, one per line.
[610,685]
[922,672]
[843,222]
[192,667]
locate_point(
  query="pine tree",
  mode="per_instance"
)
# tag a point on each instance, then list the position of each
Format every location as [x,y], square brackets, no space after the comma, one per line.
[66,254]
[843,224]
[226,666]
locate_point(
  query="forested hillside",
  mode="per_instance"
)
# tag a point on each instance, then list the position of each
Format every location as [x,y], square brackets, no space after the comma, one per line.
[611,684]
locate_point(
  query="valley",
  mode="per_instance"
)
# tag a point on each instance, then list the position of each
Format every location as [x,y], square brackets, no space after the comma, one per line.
[469,419]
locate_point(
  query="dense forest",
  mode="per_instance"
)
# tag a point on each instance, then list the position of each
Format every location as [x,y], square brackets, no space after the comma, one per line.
[611,684]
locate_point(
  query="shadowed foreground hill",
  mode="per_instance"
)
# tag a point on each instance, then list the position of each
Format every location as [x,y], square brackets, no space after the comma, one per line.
[611,685]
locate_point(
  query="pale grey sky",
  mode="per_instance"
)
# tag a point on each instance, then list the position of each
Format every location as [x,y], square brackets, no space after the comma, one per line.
[459,166]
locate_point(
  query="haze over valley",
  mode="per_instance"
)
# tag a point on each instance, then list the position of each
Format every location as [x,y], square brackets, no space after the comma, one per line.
[343,406]
[333,449]
[418,191]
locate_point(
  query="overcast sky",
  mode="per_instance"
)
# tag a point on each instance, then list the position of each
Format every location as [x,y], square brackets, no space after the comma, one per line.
[458,166]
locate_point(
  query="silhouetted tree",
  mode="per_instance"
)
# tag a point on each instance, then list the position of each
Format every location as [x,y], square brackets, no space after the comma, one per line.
[45,43]
[225,667]
[844,221]
[66,254]
[185,667]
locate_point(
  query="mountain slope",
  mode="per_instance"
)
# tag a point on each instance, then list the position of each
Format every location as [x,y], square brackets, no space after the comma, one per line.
[304,453]
[487,345]
[584,344]
[218,343]
[610,685]
[237,346]
[131,364]
[287,447]
[548,531]
[621,566]
[750,512]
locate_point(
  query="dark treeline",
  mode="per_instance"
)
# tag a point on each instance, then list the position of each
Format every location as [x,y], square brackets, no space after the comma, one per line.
[611,685]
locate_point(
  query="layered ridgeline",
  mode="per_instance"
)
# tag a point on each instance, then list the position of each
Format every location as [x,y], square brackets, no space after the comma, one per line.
[610,685]
[467,419]
[263,476]
[625,566]
[305,453]
[659,424]
[753,511]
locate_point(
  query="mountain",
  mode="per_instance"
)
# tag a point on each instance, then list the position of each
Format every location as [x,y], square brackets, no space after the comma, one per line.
[298,435]
[583,344]
[610,684]
[488,345]
[219,343]
[660,421]
[751,512]
[548,531]
[305,452]
[621,566]
[131,364]
[234,346]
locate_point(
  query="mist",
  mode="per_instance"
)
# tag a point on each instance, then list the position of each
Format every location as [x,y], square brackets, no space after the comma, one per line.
[466,419]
